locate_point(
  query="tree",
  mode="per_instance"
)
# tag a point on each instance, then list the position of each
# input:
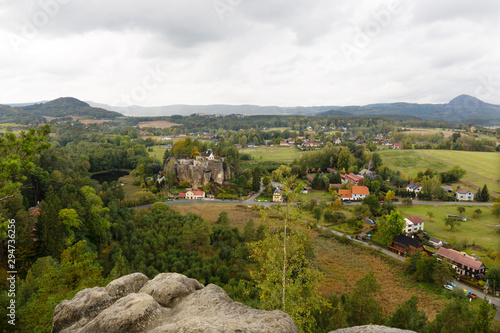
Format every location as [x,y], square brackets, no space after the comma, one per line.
[496,207]
[430,215]
[317,211]
[345,159]
[283,274]
[483,318]
[430,185]
[446,320]
[16,155]
[375,186]
[407,202]
[407,316]
[361,307]
[477,213]
[390,195]
[460,210]
[223,219]
[391,226]
[266,181]
[452,222]
[372,202]
[442,272]
[249,231]
[256,180]
[493,277]
[485,194]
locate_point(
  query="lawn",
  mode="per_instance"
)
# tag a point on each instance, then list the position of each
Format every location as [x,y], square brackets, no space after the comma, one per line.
[479,231]
[129,186]
[238,214]
[482,167]
[283,155]
[158,152]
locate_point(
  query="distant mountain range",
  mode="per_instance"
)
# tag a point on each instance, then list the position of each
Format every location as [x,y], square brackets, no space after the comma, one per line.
[463,108]
[186,110]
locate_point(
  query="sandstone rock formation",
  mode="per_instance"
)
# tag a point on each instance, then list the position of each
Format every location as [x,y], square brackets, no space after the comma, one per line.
[199,172]
[371,329]
[170,302]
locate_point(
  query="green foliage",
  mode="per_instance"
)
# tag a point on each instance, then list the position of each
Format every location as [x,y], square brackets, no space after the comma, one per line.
[48,283]
[452,222]
[390,226]
[456,317]
[373,203]
[223,219]
[283,274]
[16,158]
[407,316]
[361,306]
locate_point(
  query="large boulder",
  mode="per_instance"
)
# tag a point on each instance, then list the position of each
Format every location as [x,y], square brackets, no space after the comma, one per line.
[371,329]
[170,302]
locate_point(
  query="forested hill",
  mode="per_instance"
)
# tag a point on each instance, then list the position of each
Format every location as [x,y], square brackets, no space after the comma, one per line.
[463,108]
[61,107]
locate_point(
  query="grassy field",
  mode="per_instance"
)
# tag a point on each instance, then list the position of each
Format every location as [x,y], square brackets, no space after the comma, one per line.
[129,186]
[3,127]
[278,154]
[342,265]
[158,152]
[482,167]
[157,124]
[482,231]
[238,214]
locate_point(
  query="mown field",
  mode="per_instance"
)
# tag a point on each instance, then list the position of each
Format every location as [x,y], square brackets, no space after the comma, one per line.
[157,124]
[482,167]
[481,231]
[279,154]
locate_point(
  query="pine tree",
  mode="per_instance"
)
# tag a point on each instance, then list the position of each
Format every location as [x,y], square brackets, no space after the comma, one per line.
[485,195]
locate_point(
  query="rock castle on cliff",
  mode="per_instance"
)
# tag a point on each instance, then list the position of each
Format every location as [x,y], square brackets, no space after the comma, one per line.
[198,172]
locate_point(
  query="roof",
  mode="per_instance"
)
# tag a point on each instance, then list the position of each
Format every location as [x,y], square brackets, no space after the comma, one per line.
[352,177]
[198,192]
[310,178]
[405,240]
[277,191]
[463,191]
[413,186]
[460,258]
[360,190]
[435,240]
[345,193]
[182,195]
[415,219]
[337,186]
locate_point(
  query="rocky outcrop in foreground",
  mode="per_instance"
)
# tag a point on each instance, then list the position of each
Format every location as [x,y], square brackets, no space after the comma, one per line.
[170,302]
[371,329]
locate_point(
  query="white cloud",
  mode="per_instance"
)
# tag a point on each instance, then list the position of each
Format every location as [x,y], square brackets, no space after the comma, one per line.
[269,53]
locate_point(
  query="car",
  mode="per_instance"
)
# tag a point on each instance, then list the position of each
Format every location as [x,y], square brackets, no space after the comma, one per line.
[381,201]
[451,284]
[447,286]
[347,202]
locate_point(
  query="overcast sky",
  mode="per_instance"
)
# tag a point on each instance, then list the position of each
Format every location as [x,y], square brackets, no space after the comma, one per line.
[273,52]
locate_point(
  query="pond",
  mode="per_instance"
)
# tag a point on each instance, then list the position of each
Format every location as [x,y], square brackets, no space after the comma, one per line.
[109,176]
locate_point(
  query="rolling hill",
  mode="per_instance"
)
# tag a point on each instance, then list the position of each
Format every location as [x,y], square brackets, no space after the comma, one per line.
[463,108]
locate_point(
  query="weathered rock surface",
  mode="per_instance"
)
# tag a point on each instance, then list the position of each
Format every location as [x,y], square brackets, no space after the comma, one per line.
[371,329]
[169,303]
[199,172]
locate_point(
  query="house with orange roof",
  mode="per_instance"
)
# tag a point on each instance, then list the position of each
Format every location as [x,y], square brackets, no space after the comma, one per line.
[193,195]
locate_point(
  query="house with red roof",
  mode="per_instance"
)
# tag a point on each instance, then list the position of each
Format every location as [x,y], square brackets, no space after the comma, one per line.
[352,178]
[354,193]
[413,224]
[464,194]
[463,263]
[193,195]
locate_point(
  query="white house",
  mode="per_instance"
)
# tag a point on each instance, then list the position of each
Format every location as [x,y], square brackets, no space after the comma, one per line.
[193,195]
[464,194]
[338,141]
[414,187]
[413,224]
[435,242]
